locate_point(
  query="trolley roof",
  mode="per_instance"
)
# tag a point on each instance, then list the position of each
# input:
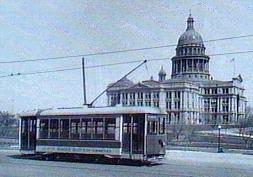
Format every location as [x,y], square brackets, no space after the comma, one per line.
[94,110]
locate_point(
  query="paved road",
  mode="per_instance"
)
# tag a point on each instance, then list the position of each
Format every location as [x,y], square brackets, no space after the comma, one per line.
[176,163]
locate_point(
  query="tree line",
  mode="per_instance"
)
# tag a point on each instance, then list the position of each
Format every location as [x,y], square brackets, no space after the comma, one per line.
[8,125]
[186,134]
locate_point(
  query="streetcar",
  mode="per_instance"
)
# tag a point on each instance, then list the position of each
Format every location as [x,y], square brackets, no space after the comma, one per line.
[133,133]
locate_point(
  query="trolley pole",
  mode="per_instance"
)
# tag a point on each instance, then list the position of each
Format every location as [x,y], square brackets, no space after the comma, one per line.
[84,86]
[90,104]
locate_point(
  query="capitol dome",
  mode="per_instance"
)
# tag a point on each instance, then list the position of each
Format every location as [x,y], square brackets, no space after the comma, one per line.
[190,61]
[190,36]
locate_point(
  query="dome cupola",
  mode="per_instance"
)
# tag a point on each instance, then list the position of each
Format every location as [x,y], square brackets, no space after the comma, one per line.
[190,36]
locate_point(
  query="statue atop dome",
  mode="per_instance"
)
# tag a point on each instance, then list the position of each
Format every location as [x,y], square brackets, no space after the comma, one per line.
[162,74]
[190,22]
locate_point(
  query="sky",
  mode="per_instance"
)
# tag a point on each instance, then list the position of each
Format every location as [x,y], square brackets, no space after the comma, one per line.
[42,29]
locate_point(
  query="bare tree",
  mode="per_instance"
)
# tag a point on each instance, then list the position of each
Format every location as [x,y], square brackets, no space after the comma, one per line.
[213,123]
[245,122]
[245,128]
[190,133]
[246,135]
[8,124]
[177,129]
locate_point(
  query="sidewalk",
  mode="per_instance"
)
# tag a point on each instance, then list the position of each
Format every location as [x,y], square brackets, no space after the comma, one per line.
[230,131]
[214,150]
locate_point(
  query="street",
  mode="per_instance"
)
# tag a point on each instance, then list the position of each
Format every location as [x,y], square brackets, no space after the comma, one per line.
[176,163]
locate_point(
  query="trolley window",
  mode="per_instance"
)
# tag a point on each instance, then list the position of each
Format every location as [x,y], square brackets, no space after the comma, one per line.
[80,128]
[161,125]
[53,128]
[64,128]
[86,128]
[75,129]
[156,124]
[110,128]
[152,127]
[98,128]
[127,125]
[43,133]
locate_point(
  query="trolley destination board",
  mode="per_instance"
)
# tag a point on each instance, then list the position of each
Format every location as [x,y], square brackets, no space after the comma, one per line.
[89,150]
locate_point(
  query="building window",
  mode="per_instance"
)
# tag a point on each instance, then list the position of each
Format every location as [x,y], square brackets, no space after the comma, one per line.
[168,95]
[118,98]
[206,105]
[214,91]
[156,99]
[225,90]
[132,99]
[169,118]
[193,101]
[225,102]
[190,51]
[195,51]
[177,100]
[207,91]
[177,104]
[115,99]
[148,99]
[195,65]
[140,98]
[189,65]
[177,118]
[124,99]
[178,66]
[168,104]
[214,105]
[225,119]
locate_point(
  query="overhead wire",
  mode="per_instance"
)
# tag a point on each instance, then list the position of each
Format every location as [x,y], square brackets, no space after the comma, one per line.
[117,51]
[110,64]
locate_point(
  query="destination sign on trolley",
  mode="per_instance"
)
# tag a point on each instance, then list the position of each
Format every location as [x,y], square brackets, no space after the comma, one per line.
[85,150]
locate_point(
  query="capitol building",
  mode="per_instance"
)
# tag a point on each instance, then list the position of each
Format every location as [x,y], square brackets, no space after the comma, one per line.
[191,95]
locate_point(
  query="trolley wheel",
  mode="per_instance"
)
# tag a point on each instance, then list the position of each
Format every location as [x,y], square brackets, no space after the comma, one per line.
[48,157]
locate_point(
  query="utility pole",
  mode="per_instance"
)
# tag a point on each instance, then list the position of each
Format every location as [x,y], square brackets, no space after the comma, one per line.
[84,86]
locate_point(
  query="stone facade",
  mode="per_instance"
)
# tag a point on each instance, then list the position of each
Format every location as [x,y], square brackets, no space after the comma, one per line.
[191,96]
